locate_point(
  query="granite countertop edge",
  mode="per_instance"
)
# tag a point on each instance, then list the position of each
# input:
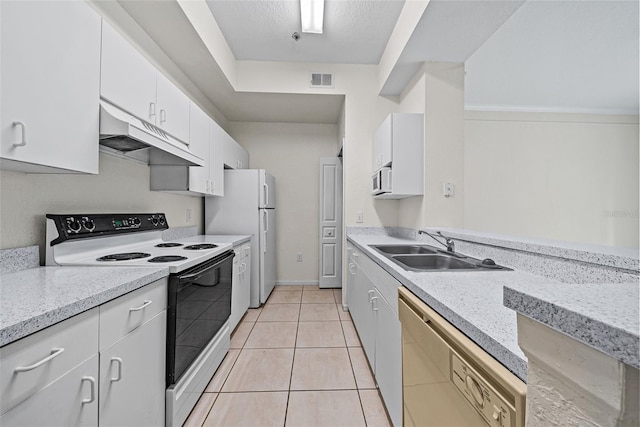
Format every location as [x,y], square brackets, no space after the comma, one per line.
[617,342]
[12,330]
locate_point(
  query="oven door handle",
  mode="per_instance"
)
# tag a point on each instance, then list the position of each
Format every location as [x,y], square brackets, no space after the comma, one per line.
[199,273]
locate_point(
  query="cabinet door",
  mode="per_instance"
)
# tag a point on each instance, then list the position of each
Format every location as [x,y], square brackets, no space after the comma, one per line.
[216,165]
[236,306]
[199,124]
[388,365]
[382,144]
[235,157]
[72,400]
[50,56]
[243,157]
[173,109]
[128,80]
[245,279]
[363,315]
[132,377]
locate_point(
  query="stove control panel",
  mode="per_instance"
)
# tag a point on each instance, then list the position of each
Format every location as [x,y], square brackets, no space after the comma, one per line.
[93,225]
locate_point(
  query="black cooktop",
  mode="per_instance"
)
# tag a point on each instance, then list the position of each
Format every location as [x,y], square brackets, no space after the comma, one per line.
[124,256]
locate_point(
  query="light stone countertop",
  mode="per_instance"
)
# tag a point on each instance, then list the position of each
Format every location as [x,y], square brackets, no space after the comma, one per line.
[603,316]
[471,301]
[36,298]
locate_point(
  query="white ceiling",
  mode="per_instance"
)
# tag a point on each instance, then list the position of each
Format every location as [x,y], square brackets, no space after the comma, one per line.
[355,31]
[560,56]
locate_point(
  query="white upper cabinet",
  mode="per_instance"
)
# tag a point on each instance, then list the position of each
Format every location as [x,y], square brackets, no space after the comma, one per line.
[128,79]
[199,128]
[132,83]
[172,109]
[50,56]
[399,144]
[216,165]
[234,155]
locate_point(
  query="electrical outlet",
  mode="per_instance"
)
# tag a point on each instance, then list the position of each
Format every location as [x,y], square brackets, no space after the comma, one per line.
[188,215]
[359,217]
[299,257]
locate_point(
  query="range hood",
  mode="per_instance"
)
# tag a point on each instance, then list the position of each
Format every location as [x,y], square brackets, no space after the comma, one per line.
[139,140]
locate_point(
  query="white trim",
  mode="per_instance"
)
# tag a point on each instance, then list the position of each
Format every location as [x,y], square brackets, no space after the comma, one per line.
[296,282]
[551,109]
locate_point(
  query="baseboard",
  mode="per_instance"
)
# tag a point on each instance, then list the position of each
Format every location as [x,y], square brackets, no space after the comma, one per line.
[296,282]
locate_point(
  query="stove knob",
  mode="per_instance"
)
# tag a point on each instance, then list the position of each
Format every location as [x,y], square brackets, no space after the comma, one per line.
[154,220]
[74,225]
[89,224]
[162,220]
[136,221]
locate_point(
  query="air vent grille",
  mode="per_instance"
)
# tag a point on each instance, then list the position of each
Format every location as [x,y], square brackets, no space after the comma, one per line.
[321,80]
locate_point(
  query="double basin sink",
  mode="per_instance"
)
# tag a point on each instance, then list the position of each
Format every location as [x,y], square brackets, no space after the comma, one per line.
[428,258]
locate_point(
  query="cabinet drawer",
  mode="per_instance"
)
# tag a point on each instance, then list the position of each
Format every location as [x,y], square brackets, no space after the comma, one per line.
[124,314]
[70,342]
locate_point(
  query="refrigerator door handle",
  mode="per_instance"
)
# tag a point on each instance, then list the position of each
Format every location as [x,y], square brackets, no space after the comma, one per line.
[266,195]
[265,218]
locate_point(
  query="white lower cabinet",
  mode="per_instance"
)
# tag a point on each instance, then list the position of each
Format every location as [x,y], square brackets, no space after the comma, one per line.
[376,320]
[105,366]
[241,284]
[132,377]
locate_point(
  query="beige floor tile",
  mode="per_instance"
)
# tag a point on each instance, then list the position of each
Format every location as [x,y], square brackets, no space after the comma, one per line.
[260,370]
[285,297]
[318,297]
[252,314]
[324,408]
[272,335]
[321,369]
[289,287]
[373,408]
[350,334]
[279,313]
[248,409]
[241,334]
[318,312]
[344,315]
[320,334]
[223,371]
[308,288]
[337,296]
[361,370]
[200,412]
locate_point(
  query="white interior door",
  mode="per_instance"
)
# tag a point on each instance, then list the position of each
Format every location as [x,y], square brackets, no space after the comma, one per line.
[330,221]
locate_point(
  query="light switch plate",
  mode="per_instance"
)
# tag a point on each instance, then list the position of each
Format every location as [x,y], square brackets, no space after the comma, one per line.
[359,217]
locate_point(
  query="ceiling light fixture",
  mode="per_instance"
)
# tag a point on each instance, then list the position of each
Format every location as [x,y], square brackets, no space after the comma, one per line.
[312,15]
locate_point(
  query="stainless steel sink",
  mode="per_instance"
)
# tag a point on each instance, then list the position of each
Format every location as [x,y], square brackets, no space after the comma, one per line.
[432,262]
[405,249]
[429,258]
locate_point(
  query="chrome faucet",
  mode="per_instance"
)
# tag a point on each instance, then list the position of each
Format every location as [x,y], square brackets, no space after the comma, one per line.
[449,243]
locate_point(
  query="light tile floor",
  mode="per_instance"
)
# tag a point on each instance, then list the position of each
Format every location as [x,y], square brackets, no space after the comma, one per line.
[296,361]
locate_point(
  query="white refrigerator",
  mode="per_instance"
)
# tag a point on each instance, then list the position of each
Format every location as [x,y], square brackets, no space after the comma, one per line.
[248,207]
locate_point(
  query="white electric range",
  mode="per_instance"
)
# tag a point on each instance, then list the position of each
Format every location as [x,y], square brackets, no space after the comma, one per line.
[199,289]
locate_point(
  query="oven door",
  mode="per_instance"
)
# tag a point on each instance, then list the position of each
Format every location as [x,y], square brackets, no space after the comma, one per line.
[199,305]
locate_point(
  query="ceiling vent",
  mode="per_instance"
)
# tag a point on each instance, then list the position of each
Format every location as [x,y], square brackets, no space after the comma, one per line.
[321,80]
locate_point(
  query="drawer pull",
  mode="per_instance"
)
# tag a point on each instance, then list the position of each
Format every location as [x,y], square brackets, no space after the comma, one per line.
[56,352]
[146,304]
[92,381]
[119,373]
[23,140]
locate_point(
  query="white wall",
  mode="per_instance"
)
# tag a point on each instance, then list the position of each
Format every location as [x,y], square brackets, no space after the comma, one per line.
[121,186]
[570,177]
[438,91]
[291,153]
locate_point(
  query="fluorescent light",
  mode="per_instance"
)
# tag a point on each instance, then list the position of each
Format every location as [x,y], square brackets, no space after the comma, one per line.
[311,15]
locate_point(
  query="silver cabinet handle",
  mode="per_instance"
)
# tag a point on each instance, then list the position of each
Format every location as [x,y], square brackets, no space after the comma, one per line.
[55,353]
[370,293]
[374,303]
[352,268]
[23,140]
[163,115]
[142,307]
[119,373]
[152,109]
[92,382]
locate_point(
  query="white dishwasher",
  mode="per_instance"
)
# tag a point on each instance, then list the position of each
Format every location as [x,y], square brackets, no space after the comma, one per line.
[448,380]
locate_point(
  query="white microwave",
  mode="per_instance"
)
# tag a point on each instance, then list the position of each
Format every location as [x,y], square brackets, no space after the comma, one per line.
[381,181]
